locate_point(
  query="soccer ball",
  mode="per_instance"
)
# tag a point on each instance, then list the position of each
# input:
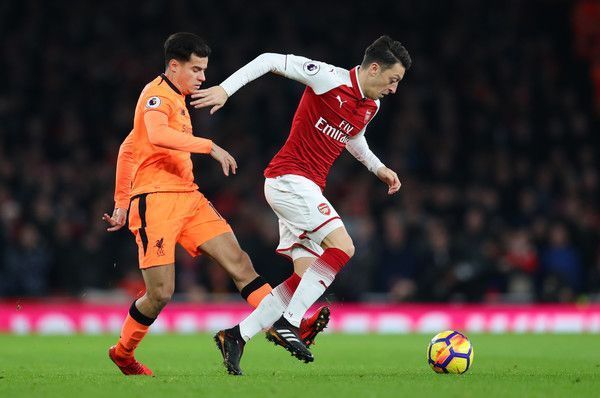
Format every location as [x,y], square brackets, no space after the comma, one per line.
[450,352]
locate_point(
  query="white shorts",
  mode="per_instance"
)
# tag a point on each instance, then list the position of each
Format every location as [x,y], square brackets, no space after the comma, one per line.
[305,216]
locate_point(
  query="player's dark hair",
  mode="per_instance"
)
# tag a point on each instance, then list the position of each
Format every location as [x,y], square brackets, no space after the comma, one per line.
[182,45]
[386,52]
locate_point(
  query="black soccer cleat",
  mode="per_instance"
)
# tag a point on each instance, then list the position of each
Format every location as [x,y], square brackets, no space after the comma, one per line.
[231,348]
[287,335]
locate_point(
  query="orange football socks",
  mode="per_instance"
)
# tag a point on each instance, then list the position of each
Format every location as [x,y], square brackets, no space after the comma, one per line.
[255,291]
[134,329]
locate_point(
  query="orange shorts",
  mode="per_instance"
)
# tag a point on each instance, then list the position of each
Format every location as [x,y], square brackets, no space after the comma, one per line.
[159,220]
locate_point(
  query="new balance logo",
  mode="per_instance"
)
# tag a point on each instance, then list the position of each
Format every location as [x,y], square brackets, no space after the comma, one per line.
[340,100]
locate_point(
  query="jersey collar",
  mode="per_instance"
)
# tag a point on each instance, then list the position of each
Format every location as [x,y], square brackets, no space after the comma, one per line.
[355,83]
[170,83]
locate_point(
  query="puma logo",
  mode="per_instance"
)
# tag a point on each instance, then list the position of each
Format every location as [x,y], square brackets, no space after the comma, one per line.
[340,100]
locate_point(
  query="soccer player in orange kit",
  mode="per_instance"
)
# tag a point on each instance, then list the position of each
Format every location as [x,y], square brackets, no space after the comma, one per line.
[155,181]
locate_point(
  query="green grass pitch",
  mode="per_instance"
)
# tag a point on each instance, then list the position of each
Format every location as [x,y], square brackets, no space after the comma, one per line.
[345,366]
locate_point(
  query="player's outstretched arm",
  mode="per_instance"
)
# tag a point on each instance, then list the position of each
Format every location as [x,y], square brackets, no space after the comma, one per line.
[389,177]
[319,76]
[215,96]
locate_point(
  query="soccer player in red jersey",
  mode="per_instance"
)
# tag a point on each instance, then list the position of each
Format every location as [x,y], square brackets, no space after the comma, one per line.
[332,115]
[155,181]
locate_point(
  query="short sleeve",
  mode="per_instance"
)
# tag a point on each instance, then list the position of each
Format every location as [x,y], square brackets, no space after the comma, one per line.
[157,101]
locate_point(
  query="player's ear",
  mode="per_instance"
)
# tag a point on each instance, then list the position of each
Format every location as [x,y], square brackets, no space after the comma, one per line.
[173,65]
[374,68]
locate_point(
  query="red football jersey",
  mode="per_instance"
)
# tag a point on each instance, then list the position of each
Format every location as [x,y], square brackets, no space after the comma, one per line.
[333,109]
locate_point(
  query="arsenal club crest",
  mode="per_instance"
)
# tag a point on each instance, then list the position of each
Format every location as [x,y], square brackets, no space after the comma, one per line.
[324,209]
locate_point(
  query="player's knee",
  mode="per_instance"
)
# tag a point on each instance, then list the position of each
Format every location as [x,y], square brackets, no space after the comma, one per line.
[161,296]
[163,299]
[347,246]
[348,249]
[339,239]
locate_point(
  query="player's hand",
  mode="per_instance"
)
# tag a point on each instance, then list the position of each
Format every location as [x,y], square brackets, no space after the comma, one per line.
[213,96]
[117,220]
[390,178]
[222,156]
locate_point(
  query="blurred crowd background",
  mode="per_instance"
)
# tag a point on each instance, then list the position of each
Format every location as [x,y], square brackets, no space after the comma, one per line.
[493,133]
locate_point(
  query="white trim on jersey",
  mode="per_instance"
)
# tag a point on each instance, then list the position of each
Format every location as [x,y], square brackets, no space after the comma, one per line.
[319,76]
[359,87]
[359,148]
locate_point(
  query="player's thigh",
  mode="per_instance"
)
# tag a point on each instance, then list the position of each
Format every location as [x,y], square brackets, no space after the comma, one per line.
[226,251]
[287,200]
[155,234]
[203,225]
[299,203]
[292,246]
[301,264]
[339,238]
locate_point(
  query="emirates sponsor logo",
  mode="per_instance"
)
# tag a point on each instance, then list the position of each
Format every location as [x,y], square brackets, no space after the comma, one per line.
[324,209]
[340,133]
